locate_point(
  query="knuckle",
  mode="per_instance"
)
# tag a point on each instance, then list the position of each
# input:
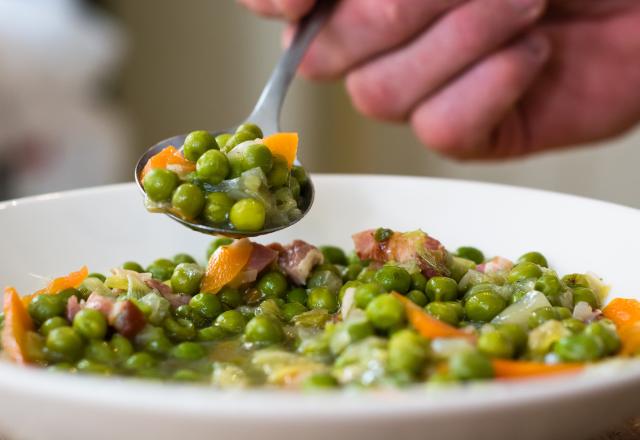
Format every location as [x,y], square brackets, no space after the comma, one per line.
[440,135]
[372,97]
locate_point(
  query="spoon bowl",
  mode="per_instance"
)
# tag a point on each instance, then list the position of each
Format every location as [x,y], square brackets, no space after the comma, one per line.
[265,114]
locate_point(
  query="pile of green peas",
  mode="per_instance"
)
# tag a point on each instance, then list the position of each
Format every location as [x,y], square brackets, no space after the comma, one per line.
[202,195]
[310,322]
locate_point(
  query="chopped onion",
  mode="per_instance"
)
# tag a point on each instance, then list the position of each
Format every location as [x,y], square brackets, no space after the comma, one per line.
[348,301]
[519,312]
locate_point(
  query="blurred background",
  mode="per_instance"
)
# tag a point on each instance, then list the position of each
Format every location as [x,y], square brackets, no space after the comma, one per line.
[87,85]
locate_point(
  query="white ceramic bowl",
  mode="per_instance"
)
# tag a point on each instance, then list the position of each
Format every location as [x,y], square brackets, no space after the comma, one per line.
[102,227]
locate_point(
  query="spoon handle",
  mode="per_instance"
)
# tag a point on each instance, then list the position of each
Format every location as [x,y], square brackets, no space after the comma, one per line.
[266,113]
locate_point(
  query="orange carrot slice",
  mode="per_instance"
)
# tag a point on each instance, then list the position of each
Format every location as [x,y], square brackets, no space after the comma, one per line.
[426,325]
[166,157]
[284,144]
[17,323]
[625,314]
[74,279]
[508,369]
[225,264]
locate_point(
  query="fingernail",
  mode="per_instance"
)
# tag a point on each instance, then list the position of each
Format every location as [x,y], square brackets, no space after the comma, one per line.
[529,8]
[539,46]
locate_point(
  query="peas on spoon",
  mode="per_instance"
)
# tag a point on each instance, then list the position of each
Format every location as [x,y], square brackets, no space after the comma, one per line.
[241,182]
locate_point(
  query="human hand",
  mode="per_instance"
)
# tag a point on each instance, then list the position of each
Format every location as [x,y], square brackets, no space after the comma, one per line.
[483,79]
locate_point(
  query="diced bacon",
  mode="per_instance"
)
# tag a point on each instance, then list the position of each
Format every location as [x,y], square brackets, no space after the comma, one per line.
[127,318]
[298,259]
[73,307]
[496,264]
[100,303]
[404,248]
[175,299]
[261,257]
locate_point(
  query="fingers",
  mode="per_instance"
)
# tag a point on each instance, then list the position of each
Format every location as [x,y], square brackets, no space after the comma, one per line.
[292,10]
[390,86]
[475,116]
[359,29]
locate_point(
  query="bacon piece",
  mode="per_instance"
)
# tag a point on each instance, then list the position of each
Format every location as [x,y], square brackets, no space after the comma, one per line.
[101,303]
[261,257]
[175,299]
[414,247]
[496,264]
[298,259]
[73,307]
[127,318]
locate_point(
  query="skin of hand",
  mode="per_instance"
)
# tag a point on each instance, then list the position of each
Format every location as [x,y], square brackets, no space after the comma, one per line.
[483,79]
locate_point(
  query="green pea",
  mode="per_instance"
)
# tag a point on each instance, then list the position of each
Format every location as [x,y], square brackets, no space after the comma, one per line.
[99,351]
[90,323]
[230,297]
[250,128]
[292,309]
[575,280]
[43,307]
[517,296]
[132,265]
[231,321]
[300,174]
[418,297]
[385,312]
[334,255]
[516,334]
[197,143]
[207,305]
[92,367]
[579,348]
[585,294]
[470,365]
[484,306]
[418,281]
[154,340]
[330,267]
[367,275]
[139,361]
[297,295]
[444,311]
[61,367]
[606,331]
[279,174]
[184,311]
[351,272]
[95,275]
[319,381]
[257,156]
[534,257]
[186,278]
[188,351]
[294,187]
[540,316]
[159,184]
[188,200]
[549,284]
[247,215]
[393,278]
[161,269]
[213,167]
[237,138]
[272,284]
[573,325]
[524,271]
[496,344]
[121,347]
[442,289]
[325,278]
[482,287]
[408,352]
[263,330]
[221,139]
[51,324]
[561,313]
[65,343]
[213,333]
[322,298]
[180,329]
[470,253]
[215,244]
[183,258]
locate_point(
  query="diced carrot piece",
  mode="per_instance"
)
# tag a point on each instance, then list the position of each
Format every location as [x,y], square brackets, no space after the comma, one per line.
[284,144]
[225,264]
[17,323]
[426,325]
[625,314]
[74,279]
[166,157]
[508,369]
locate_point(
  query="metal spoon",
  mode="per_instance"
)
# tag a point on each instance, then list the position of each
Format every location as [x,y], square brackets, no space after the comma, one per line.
[265,114]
